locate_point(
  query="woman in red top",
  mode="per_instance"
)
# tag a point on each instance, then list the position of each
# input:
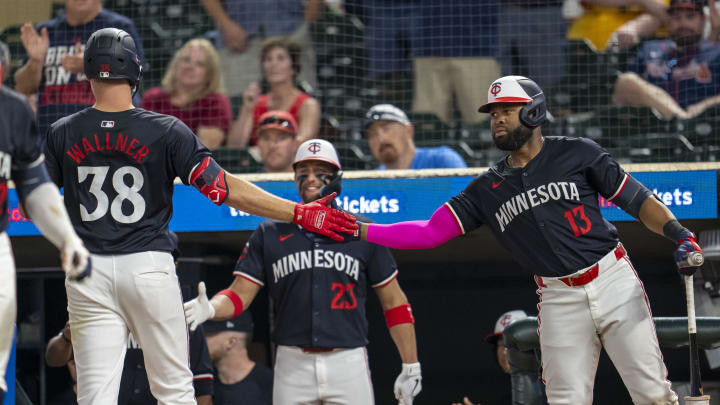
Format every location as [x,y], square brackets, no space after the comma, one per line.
[191,90]
[280,64]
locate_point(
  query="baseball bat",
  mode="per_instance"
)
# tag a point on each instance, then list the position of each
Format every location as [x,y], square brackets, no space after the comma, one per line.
[695,382]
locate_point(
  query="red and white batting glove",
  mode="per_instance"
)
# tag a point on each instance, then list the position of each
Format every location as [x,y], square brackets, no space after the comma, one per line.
[408,384]
[319,217]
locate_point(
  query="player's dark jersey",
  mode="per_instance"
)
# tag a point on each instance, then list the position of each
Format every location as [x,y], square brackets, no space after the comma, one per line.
[118,169]
[547,214]
[135,386]
[19,143]
[256,388]
[318,286]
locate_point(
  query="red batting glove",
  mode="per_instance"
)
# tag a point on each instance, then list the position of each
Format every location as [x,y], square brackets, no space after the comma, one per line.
[320,218]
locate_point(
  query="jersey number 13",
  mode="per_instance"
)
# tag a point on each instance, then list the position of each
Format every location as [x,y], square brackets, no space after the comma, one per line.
[124,192]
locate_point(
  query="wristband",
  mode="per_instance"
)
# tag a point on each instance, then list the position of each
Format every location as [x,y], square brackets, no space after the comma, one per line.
[676,232]
[237,302]
[398,315]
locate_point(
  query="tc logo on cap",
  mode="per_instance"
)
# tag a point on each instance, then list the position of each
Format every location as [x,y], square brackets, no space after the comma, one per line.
[314,147]
[495,89]
[506,320]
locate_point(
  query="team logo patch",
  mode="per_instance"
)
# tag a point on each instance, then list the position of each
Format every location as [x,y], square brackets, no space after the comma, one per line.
[314,147]
[105,70]
[495,89]
[107,124]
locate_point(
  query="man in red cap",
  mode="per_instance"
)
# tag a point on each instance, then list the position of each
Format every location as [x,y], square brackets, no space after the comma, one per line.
[277,141]
[680,76]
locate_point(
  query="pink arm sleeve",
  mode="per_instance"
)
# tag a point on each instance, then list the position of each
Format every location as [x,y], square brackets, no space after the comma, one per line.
[440,228]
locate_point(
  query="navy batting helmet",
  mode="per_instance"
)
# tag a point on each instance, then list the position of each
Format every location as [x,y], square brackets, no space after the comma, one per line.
[110,53]
[519,89]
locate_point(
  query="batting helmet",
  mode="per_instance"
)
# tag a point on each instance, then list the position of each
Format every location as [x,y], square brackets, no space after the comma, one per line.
[317,149]
[519,89]
[110,53]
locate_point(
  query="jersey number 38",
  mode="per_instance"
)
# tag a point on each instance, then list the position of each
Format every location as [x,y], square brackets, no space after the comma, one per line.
[124,192]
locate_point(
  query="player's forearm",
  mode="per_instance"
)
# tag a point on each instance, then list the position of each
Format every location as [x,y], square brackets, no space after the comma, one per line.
[250,198]
[28,77]
[47,211]
[654,215]
[440,228]
[224,308]
[404,337]
[58,352]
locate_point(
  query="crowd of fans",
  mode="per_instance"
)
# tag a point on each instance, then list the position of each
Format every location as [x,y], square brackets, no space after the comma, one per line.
[262,59]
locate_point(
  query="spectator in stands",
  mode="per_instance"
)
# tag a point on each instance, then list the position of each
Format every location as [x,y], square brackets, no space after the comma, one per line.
[244,24]
[537,49]
[4,62]
[602,18]
[54,65]
[277,141]
[455,57]
[390,25]
[678,77]
[238,380]
[280,64]
[390,136]
[192,91]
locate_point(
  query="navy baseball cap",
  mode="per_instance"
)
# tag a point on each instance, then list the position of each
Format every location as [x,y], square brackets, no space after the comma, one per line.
[385,112]
[696,5]
[241,323]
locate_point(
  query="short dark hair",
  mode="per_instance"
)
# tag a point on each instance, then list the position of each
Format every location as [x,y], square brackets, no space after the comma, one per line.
[291,47]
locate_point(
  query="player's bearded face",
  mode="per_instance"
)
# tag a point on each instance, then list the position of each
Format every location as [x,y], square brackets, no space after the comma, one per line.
[514,139]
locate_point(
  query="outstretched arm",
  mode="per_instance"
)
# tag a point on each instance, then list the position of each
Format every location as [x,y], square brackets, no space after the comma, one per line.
[223,188]
[440,228]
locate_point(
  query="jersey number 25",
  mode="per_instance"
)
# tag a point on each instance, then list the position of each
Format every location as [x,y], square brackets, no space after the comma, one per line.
[124,192]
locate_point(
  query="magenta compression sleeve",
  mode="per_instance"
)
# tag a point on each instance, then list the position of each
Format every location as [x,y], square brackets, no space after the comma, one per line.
[440,228]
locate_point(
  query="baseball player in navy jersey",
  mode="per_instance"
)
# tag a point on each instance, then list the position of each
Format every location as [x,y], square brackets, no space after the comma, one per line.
[21,160]
[117,164]
[541,202]
[319,288]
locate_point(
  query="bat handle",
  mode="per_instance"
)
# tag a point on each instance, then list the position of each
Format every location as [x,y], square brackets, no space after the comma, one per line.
[690,298]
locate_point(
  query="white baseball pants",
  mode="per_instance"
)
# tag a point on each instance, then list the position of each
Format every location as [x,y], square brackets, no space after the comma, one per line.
[611,311]
[340,377]
[138,292]
[8,304]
